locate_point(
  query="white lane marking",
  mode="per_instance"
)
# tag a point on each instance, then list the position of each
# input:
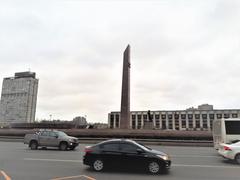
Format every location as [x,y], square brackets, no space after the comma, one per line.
[74,177]
[203,166]
[193,156]
[53,160]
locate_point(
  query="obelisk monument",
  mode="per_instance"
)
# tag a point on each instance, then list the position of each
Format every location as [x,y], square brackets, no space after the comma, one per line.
[125,100]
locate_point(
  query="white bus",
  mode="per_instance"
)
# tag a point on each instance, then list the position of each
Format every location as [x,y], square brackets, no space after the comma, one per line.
[226,131]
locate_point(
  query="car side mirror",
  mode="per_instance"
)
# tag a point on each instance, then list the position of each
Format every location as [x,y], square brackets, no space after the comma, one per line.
[56,136]
[139,151]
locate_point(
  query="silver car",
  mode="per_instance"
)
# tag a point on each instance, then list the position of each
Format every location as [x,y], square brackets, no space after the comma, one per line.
[51,138]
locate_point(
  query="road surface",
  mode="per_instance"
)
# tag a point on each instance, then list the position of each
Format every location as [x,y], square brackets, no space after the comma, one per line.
[18,162]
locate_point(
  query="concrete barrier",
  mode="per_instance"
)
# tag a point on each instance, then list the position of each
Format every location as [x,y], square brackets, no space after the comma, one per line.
[119,133]
[89,140]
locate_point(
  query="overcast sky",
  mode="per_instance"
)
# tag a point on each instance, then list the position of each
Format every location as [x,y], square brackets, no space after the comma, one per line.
[183,53]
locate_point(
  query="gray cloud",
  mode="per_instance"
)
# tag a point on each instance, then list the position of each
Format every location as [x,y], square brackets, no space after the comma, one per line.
[184,53]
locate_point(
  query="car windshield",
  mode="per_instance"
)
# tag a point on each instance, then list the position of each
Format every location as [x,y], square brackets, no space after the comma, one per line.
[144,147]
[62,134]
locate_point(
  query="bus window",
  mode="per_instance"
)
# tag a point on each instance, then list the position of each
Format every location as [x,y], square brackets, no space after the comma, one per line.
[232,127]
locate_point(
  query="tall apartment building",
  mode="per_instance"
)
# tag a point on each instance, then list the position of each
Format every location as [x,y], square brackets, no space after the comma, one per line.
[200,118]
[19,98]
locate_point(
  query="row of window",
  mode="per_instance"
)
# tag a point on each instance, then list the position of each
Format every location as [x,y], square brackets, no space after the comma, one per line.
[185,116]
[138,124]
[14,94]
[179,116]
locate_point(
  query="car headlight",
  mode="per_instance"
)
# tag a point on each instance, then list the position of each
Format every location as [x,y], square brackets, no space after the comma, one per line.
[164,157]
[71,140]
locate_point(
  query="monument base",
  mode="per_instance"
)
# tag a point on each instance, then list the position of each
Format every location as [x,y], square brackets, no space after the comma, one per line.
[148,125]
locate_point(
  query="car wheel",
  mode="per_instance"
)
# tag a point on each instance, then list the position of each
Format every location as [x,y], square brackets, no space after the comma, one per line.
[98,165]
[237,158]
[153,167]
[63,146]
[33,145]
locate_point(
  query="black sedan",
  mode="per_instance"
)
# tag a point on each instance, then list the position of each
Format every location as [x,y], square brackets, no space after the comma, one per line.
[124,153]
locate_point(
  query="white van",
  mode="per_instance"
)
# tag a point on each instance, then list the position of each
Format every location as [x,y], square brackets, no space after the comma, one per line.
[226,131]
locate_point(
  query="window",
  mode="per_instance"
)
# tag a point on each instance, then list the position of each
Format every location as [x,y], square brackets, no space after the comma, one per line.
[170,116]
[211,123]
[117,120]
[163,116]
[197,116]
[125,147]
[133,117]
[145,117]
[234,115]
[211,116]
[139,116]
[184,124]
[226,115]
[232,127]
[183,116]
[163,124]
[45,133]
[157,116]
[117,123]
[177,124]
[170,126]
[197,124]
[52,134]
[111,123]
[111,117]
[190,123]
[205,123]
[204,116]
[176,116]
[13,88]
[139,124]
[219,116]
[110,147]
[190,116]
[133,124]
[157,123]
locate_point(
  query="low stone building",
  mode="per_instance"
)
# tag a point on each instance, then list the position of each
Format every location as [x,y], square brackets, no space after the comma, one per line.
[200,118]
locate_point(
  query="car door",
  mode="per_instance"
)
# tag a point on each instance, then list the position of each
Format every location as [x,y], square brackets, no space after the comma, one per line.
[53,139]
[111,155]
[132,155]
[43,138]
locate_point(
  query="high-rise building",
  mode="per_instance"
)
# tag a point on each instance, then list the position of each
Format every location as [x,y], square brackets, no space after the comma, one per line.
[19,98]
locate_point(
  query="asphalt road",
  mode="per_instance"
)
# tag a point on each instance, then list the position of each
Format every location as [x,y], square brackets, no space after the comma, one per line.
[20,163]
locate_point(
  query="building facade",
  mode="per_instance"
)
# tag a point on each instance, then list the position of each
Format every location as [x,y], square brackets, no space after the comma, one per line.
[19,98]
[200,118]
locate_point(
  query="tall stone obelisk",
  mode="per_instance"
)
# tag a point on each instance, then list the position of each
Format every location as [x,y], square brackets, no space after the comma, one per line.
[125,100]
